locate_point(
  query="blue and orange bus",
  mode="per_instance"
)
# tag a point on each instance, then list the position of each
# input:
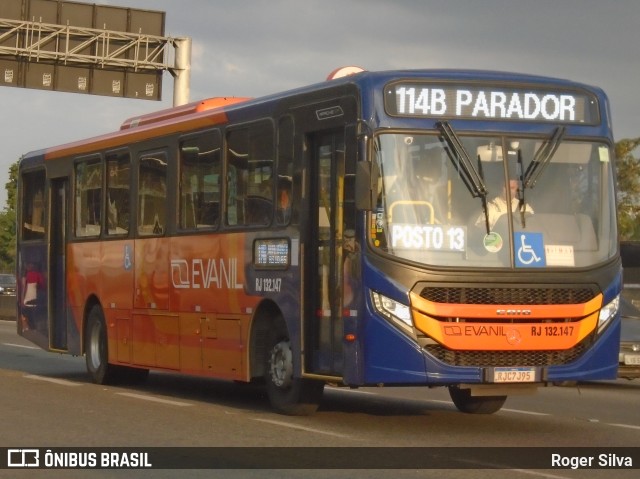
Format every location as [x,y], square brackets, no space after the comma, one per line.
[409,228]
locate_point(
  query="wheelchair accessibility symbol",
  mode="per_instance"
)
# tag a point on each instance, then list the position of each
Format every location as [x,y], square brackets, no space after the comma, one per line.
[529,250]
[128,259]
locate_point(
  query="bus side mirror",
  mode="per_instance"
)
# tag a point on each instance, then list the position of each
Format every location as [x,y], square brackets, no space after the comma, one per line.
[367,175]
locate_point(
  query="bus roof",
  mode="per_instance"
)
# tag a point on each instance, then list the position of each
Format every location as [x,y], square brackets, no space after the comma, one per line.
[169,113]
[164,122]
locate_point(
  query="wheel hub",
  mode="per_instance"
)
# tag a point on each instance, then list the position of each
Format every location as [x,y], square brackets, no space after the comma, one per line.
[94,347]
[281,364]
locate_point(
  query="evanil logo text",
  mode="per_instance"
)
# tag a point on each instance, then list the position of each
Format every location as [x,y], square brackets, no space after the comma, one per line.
[205,273]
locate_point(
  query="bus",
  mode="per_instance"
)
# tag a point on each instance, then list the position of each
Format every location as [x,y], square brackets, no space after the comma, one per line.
[440,228]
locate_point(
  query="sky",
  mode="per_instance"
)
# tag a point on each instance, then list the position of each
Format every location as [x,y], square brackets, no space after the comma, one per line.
[250,48]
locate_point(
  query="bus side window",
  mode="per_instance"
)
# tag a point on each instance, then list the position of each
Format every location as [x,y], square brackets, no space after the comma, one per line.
[250,175]
[152,194]
[237,159]
[118,199]
[200,181]
[284,194]
[33,224]
[88,198]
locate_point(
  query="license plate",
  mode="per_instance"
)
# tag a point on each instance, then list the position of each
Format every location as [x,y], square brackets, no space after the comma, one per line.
[514,375]
[633,359]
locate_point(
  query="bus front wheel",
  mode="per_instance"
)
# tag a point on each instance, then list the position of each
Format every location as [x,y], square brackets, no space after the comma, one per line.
[465,402]
[289,395]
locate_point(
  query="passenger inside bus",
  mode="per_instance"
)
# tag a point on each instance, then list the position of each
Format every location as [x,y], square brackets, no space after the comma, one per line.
[351,269]
[32,289]
[33,226]
[283,209]
[112,214]
[497,206]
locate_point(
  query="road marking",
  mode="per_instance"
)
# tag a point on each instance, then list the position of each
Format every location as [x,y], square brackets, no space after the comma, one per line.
[493,465]
[301,428]
[628,426]
[349,391]
[531,413]
[144,397]
[497,465]
[61,382]
[20,346]
[375,393]
[439,401]
[540,474]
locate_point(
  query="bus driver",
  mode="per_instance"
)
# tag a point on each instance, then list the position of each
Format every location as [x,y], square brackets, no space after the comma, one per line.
[498,205]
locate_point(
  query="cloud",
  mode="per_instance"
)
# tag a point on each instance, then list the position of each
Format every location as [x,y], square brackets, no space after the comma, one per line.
[258,47]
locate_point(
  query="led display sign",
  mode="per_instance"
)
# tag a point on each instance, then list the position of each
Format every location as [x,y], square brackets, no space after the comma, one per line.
[271,253]
[489,102]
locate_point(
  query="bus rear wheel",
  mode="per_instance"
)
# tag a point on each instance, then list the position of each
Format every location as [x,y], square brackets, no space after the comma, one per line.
[289,395]
[97,355]
[465,402]
[96,348]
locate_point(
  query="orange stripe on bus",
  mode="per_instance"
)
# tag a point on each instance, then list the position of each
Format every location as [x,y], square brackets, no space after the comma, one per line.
[492,336]
[130,136]
[499,332]
[506,312]
[180,111]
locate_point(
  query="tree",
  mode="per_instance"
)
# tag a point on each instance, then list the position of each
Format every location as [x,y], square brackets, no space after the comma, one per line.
[8,223]
[628,168]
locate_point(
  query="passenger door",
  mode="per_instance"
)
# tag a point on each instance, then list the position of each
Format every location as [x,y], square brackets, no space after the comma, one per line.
[57,255]
[324,278]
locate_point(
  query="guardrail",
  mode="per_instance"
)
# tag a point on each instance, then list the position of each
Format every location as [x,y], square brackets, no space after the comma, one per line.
[8,308]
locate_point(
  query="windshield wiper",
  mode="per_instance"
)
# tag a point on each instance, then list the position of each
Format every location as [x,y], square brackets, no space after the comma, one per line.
[471,178]
[520,192]
[470,175]
[542,157]
[541,160]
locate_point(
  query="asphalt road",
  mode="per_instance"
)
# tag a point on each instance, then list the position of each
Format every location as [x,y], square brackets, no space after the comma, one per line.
[48,402]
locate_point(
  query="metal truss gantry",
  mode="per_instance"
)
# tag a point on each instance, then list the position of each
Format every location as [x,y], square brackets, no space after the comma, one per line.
[65,44]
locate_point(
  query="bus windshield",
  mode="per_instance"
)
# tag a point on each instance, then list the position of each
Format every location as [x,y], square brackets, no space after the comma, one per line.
[513,202]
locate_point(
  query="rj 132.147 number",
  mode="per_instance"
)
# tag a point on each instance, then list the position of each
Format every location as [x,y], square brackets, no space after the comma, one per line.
[551,330]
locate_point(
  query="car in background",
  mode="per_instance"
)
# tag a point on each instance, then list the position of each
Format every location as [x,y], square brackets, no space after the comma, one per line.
[7,284]
[629,356]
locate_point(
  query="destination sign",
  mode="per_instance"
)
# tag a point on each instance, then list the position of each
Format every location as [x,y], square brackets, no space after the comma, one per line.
[489,102]
[271,252]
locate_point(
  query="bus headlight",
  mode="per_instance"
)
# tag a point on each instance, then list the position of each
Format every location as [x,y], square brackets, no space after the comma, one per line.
[607,312]
[393,310]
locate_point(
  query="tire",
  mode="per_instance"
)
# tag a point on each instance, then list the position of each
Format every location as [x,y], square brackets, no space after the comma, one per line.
[467,403]
[289,395]
[97,355]
[97,349]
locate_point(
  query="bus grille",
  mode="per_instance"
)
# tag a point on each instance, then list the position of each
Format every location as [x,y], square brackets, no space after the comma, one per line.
[508,295]
[506,358]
